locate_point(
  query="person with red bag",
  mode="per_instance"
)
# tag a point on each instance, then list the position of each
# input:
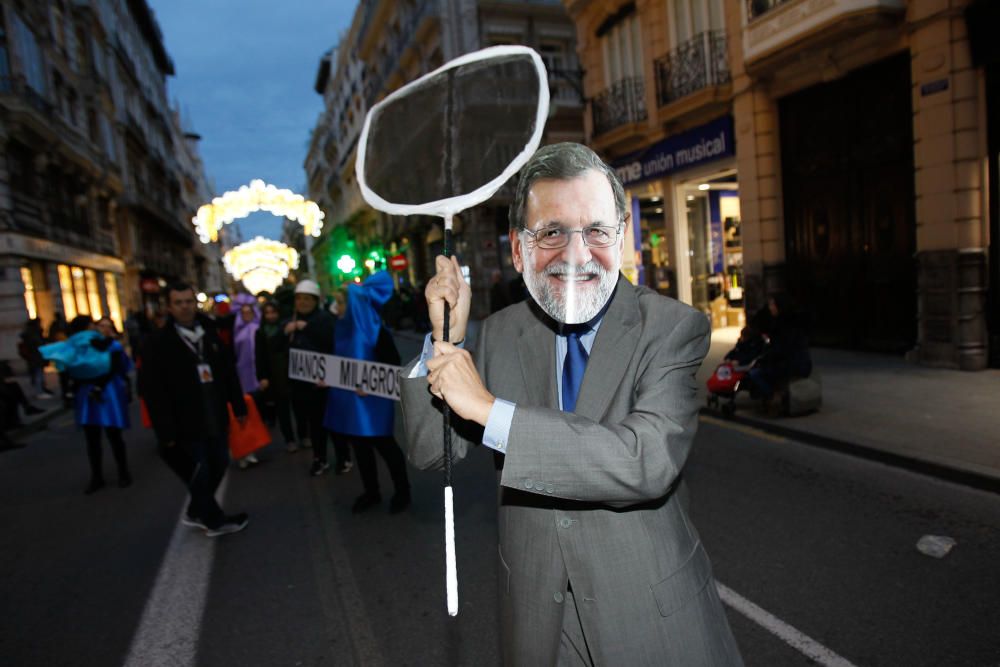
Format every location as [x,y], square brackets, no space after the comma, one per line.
[244,344]
[188,379]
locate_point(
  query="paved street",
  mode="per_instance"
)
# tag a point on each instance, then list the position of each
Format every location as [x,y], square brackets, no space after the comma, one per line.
[822,542]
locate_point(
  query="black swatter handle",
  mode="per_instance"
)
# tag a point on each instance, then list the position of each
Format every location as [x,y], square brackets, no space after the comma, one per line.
[446,336]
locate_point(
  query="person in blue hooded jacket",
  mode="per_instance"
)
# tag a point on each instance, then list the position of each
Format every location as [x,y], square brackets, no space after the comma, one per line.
[102,403]
[366,422]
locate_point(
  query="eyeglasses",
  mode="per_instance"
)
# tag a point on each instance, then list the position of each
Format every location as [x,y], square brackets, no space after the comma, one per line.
[554,238]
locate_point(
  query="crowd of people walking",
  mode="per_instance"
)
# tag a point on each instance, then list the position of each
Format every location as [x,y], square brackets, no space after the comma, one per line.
[202,370]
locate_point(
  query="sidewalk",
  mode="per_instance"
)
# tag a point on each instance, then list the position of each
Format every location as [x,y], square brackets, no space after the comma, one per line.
[942,422]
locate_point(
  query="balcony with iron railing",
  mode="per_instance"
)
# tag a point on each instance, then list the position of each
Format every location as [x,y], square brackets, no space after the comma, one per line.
[621,104]
[781,25]
[699,63]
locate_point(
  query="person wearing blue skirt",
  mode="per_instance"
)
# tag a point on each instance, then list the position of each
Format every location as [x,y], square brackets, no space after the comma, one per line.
[103,403]
[364,421]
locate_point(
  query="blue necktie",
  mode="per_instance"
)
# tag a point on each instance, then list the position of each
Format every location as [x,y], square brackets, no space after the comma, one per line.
[573,367]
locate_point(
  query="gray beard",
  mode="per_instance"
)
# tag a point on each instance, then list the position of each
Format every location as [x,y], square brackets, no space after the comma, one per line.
[569,305]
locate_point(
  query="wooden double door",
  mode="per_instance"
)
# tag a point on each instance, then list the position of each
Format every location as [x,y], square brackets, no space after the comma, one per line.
[850,228]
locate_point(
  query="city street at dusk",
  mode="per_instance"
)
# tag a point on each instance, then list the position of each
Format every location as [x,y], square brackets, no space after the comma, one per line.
[500,332]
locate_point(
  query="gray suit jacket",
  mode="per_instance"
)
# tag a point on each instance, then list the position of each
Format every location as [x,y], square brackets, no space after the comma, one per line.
[591,497]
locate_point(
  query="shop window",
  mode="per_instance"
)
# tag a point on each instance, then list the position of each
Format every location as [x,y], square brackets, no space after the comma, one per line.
[66,288]
[80,291]
[114,305]
[93,294]
[30,303]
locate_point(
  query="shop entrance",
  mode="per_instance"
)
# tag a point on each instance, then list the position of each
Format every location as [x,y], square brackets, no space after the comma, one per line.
[708,212]
[850,230]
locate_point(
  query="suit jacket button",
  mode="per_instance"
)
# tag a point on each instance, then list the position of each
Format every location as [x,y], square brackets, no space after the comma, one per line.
[549,489]
[565,523]
[539,486]
[528,484]
[558,597]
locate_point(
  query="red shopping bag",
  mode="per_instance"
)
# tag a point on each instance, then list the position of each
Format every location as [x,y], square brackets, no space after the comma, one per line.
[144,412]
[249,437]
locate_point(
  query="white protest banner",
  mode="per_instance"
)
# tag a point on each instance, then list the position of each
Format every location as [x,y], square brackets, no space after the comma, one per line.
[371,377]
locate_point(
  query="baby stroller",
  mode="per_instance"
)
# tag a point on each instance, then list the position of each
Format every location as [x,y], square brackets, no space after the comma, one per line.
[728,377]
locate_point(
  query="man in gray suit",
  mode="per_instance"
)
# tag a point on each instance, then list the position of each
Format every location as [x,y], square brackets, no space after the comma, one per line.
[587,394]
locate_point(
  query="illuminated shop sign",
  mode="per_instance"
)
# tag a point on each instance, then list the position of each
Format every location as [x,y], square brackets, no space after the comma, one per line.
[702,144]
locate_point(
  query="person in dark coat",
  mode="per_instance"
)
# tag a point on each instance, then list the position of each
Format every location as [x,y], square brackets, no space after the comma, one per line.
[786,357]
[271,350]
[312,330]
[188,378]
[27,348]
[103,404]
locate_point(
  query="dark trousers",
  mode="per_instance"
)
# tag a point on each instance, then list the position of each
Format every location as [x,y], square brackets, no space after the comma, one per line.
[364,454]
[309,404]
[201,465]
[95,452]
[280,410]
[11,396]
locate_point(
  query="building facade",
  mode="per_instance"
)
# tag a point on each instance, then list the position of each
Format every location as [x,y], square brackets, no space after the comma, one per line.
[833,150]
[91,211]
[388,45]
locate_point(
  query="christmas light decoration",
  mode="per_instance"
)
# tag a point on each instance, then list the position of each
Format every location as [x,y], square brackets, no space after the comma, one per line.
[257,196]
[261,280]
[262,264]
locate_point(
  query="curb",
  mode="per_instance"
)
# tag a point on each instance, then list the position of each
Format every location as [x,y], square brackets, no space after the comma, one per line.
[936,470]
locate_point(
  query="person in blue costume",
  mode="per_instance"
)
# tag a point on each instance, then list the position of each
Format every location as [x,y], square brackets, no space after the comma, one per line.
[355,417]
[103,403]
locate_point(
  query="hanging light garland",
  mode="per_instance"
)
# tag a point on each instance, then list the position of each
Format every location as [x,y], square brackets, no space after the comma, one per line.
[257,196]
[261,280]
[262,264]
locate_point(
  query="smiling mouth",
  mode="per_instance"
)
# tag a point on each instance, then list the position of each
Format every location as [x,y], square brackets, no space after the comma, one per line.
[573,278]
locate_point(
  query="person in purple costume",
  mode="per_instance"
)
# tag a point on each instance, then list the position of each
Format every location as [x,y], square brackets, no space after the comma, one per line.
[244,345]
[103,403]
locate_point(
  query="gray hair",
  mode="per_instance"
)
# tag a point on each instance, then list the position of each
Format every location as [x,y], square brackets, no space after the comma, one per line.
[561,162]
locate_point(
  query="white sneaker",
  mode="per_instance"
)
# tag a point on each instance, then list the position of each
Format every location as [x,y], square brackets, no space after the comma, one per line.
[252,458]
[229,525]
[243,464]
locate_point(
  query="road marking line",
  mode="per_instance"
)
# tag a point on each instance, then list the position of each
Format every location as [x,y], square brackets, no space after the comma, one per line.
[797,640]
[170,626]
[742,428]
[339,578]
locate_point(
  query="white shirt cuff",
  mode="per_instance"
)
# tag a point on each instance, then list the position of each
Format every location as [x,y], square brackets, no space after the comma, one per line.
[419,369]
[498,425]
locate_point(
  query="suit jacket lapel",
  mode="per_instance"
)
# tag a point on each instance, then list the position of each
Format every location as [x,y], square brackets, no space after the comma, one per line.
[613,349]
[537,351]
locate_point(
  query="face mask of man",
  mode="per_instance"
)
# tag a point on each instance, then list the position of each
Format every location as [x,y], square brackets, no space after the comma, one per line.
[569,293]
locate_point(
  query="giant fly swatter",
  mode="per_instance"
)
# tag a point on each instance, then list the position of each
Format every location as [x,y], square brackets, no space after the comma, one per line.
[445,143]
